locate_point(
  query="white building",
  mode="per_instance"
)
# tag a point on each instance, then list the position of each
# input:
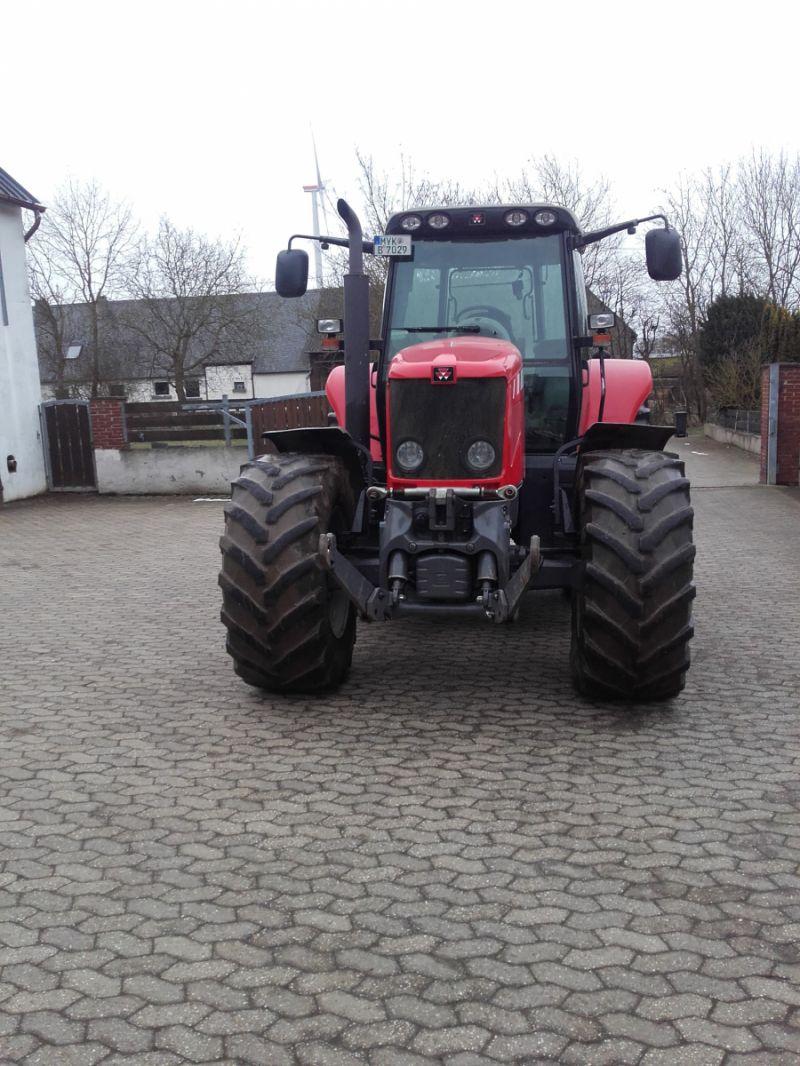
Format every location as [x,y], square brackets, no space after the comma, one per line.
[22,469]
[266,354]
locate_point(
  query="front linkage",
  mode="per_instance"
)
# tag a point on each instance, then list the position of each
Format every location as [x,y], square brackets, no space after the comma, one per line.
[443,573]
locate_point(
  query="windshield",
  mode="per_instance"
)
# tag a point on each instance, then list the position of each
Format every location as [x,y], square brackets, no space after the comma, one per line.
[513,289]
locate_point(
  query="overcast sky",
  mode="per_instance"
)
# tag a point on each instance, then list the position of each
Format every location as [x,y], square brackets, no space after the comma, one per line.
[202,111]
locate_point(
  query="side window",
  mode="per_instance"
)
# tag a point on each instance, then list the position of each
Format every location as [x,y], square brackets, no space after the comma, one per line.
[580,293]
[161,388]
[192,387]
[3,305]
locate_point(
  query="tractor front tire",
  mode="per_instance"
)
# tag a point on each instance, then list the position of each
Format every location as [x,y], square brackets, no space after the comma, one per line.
[631,615]
[290,629]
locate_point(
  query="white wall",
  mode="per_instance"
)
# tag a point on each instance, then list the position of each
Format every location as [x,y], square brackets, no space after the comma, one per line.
[750,442]
[267,385]
[217,382]
[20,392]
[153,471]
[220,380]
[135,391]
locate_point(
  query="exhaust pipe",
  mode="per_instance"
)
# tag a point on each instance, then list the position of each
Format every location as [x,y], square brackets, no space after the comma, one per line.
[356,332]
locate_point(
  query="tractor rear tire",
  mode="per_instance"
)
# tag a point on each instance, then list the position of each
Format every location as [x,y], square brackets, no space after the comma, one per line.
[631,615]
[290,629]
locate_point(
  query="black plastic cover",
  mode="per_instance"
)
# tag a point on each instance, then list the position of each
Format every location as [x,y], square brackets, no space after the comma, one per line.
[291,272]
[664,254]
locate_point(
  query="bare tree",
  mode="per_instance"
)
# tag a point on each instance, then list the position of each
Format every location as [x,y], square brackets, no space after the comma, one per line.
[81,255]
[547,179]
[726,244]
[52,337]
[193,304]
[685,300]
[770,206]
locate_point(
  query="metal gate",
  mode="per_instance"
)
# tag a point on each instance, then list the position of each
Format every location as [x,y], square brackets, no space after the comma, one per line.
[67,440]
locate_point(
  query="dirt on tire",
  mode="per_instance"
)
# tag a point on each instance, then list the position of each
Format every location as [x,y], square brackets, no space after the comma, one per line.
[631,617]
[289,628]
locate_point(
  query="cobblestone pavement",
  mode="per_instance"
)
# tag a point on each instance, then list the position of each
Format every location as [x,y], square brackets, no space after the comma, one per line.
[453,860]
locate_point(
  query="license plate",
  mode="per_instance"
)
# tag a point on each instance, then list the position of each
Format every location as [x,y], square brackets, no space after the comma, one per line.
[392,244]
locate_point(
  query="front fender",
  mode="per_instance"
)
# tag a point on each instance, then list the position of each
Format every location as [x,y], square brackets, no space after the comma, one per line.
[628,384]
[325,440]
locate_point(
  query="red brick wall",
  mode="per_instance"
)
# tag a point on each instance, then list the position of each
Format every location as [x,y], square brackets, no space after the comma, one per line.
[108,423]
[789,424]
[788,453]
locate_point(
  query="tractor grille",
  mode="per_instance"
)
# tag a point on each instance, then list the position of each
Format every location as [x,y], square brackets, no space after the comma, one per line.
[445,420]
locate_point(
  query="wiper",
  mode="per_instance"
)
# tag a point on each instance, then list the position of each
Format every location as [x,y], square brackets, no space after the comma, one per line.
[438,329]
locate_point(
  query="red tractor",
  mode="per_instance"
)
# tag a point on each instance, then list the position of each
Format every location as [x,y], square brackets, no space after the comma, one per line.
[489,449]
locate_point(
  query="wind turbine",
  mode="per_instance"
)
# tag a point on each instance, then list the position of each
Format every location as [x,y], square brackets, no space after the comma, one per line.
[316,191]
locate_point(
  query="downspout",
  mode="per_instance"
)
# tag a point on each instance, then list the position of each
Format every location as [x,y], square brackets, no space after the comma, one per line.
[37,221]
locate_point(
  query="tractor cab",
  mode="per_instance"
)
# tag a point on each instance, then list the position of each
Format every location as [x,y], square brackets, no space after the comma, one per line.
[504,273]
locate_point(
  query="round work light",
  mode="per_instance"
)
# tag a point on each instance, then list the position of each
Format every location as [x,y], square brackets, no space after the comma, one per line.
[516,218]
[438,221]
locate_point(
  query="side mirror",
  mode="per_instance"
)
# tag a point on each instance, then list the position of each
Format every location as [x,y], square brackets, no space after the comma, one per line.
[291,272]
[664,255]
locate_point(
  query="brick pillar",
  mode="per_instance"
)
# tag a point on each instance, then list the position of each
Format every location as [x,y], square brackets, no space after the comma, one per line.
[788,418]
[108,423]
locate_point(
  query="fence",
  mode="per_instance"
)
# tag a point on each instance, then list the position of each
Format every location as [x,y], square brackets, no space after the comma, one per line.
[219,420]
[288,412]
[165,423]
[736,419]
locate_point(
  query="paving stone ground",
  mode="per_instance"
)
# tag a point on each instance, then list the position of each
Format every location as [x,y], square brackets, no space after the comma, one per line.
[453,860]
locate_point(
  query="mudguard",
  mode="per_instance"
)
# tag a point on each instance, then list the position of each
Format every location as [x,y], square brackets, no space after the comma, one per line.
[604,435]
[325,440]
[628,384]
[335,391]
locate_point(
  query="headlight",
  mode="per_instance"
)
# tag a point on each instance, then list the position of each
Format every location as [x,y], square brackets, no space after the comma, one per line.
[480,455]
[516,218]
[409,455]
[545,218]
[411,222]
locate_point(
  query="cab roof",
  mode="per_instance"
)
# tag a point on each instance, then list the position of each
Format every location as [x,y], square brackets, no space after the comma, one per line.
[489,220]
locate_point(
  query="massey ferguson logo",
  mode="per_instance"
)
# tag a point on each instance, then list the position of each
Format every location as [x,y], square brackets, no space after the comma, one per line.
[443,375]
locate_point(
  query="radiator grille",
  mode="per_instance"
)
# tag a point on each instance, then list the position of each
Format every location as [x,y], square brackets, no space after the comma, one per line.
[445,420]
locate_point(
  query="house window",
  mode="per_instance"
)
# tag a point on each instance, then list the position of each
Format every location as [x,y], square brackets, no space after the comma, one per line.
[193,388]
[3,305]
[161,388]
[119,392]
[238,386]
[73,351]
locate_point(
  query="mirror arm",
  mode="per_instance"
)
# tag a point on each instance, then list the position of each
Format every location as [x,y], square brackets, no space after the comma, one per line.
[340,242]
[630,226]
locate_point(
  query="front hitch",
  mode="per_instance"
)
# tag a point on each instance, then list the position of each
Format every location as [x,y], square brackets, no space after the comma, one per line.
[373,603]
[503,603]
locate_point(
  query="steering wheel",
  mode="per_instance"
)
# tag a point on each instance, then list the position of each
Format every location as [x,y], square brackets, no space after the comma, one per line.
[491,320]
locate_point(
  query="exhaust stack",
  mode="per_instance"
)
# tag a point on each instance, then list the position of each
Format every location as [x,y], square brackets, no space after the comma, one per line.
[356,332]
